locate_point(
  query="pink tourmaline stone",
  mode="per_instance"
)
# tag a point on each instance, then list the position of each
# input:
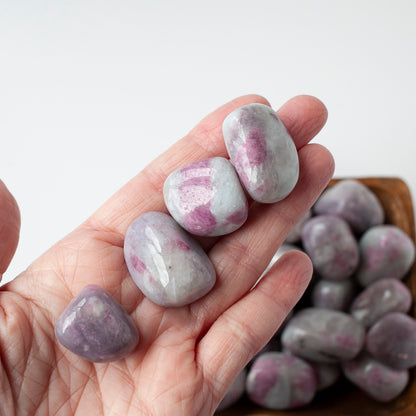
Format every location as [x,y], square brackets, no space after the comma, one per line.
[206,197]
[262,152]
[165,262]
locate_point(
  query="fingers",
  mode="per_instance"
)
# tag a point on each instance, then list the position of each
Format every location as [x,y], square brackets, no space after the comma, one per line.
[241,257]
[241,331]
[9,227]
[303,116]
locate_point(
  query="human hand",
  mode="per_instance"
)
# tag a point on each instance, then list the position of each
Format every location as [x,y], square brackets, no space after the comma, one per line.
[187,357]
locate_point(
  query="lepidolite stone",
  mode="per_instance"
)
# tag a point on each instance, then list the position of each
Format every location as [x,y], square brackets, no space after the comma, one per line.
[262,152]
[323,335]
[206,197]
[95,327]
[165,262]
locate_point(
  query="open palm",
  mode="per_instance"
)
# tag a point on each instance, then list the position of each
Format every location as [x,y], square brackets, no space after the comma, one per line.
[187,357]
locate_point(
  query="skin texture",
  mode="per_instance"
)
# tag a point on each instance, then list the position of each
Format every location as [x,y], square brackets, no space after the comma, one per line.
[187,357]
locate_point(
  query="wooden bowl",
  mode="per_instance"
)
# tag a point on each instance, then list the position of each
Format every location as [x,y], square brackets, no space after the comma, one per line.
[344,399]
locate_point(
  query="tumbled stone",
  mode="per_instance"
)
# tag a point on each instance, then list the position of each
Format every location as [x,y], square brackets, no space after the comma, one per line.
[165,262]
[379,381]
[206,197]
[381,297]
[323,335]
[392,340]
[280,381]
[262,152]
[352,201]
[95,327]
[331,294]
[385,251]
[332,247]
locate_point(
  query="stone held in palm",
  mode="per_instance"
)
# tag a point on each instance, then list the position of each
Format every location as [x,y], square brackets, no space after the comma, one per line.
[262,152]
[206,197]
[95,327]
[165,262]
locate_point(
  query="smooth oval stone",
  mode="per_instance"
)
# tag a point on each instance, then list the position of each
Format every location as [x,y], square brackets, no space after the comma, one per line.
[235,391]
[206,197]
[332,247]
[323,335]
[296,233]
[386,251]
[95,327]
[352,201]
[392,340]
[280,381]
[262,152]
[378,299]
[379,381]
[165,262]
[331,294]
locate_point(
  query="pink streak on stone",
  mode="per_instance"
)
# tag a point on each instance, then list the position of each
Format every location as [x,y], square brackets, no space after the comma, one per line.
[182,245]
[200,221]
[237,217]
[256,147]
[137,264]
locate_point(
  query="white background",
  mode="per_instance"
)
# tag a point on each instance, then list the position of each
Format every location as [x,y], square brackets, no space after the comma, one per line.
[92,91]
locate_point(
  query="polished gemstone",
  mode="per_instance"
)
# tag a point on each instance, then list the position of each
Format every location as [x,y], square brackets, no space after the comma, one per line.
[323,335]
[262,152]
[165,262]
[378,380]
[95,327]
[280,381]
[206,197]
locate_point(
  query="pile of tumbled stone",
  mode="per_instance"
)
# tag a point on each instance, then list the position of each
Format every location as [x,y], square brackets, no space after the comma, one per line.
[353,321]
[205,198]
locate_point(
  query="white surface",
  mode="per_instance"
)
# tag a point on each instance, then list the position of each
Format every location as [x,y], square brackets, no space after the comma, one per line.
[91,91]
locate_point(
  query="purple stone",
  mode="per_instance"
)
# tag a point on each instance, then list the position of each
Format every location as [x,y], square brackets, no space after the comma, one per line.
[379,381]
[165,262]
[206,197]
[279,380]
[392,340]
[332,247]
[95,327]
[381,297]
[323,335]
[386,251]
[352,201]
[262,152]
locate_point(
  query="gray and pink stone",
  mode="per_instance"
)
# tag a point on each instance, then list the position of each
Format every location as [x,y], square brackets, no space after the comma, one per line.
[392,340]
[385,251]
[380,298]
[352,201]
[280,381]
[330,294]
[206,197]
[165,262]
[379,381]
[95,327]
[332,247]
[323,335]
[262,152]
